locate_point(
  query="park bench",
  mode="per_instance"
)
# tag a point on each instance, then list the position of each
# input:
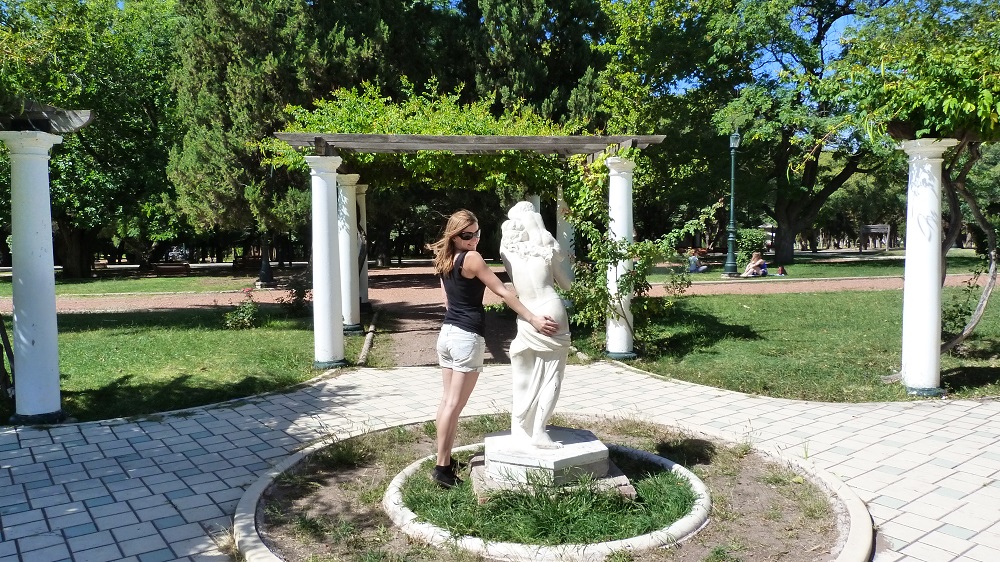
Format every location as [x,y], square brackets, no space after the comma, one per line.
[171,268]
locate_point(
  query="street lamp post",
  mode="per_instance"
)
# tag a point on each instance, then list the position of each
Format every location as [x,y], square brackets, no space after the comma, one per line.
[729,269]
[265,278]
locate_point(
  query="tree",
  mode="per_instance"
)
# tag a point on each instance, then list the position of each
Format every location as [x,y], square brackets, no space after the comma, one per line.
[791,112]
[242,63]
[239,64]
[878,198]
[660,79]
[106,180]
[539,52]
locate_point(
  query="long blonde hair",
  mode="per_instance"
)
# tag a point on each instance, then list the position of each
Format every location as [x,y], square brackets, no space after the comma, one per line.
[444,250]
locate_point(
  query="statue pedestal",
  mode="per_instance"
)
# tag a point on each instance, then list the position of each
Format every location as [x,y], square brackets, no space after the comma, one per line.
[510,464]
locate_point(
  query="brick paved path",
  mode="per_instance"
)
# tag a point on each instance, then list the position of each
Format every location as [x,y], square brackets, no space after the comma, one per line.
[165,488]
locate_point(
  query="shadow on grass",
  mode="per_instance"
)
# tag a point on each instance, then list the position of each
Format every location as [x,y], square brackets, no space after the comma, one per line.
[179,318]
[970,377]
[686,330]
[680,332]
[120,398]
[687,452]
[978,349]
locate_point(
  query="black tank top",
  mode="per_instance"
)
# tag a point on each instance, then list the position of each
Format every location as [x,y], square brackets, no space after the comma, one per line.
[465,300]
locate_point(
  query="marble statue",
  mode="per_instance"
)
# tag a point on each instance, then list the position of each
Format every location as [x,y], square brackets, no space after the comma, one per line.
[530,254]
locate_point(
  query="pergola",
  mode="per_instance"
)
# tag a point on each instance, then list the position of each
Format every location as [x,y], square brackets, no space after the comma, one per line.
[30,134]
[343,197]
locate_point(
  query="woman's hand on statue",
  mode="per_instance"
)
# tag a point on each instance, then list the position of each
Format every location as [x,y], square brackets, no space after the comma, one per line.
[544,324]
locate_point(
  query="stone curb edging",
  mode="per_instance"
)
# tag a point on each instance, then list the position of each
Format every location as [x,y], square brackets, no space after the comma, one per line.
[858,545]
[677,532]
[369,338]
[248,540]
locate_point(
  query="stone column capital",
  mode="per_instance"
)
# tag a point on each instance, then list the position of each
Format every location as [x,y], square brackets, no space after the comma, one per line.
[348,179]
[619,165]
[324,164]
[29,142]
[927,148]
[362,188]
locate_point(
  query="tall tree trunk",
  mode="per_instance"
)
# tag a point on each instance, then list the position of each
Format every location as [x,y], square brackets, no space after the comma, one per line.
[795,211]
[72,247]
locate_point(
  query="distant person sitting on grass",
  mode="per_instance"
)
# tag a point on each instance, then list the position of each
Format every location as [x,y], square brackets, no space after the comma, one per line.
[757,266]
[694,264]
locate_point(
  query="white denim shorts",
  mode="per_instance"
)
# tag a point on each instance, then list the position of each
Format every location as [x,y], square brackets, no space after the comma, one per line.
[460,350]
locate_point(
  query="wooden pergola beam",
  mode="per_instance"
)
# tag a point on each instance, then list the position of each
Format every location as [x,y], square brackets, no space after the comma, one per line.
[332,144]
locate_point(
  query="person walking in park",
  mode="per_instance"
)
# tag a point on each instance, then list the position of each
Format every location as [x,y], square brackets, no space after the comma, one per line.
[461,344]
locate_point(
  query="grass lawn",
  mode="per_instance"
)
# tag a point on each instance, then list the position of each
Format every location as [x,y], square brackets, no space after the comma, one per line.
[139,363]
[196,282]
[814,346]
[840,264]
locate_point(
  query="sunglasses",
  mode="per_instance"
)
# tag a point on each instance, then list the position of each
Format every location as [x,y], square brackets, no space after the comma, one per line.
[469,235]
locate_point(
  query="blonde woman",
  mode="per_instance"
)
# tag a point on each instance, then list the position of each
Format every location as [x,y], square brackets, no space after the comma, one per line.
[461,344]
[757,266]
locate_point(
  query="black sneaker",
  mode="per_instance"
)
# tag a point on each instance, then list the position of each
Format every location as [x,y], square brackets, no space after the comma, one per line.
[456,466]
[445,477]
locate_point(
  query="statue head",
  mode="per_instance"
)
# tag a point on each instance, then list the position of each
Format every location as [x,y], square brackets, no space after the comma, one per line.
[524,235]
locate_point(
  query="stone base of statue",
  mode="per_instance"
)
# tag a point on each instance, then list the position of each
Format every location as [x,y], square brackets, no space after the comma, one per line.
[509,464]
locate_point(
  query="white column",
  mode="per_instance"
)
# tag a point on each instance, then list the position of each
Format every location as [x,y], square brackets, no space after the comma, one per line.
[619,342]
[363,221]
[565,234]
[921,364]
[347,234]
[328,328]
[35,341]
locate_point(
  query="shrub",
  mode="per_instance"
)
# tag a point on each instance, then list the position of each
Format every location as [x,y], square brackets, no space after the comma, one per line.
[244,316]
[748,241]
[299,296]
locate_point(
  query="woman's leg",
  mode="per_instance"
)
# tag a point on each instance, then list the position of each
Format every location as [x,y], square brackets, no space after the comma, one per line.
[458,386]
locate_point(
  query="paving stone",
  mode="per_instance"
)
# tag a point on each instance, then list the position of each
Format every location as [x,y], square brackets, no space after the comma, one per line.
[129,532]
[39,541]
[201,513]
[24,517]
[50,500]
[25,530]
[79,530]
[162,555]
[53,553]
[115,521]
[71,520]
[194,545]
[99,554]
[142,545]
[156,513]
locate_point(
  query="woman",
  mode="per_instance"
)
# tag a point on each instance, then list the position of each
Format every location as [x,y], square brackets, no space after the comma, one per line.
[757,266]
[464,277]
[694,264]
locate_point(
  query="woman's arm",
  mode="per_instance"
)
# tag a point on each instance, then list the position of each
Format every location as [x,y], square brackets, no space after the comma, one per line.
[444,294]
[475,266]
